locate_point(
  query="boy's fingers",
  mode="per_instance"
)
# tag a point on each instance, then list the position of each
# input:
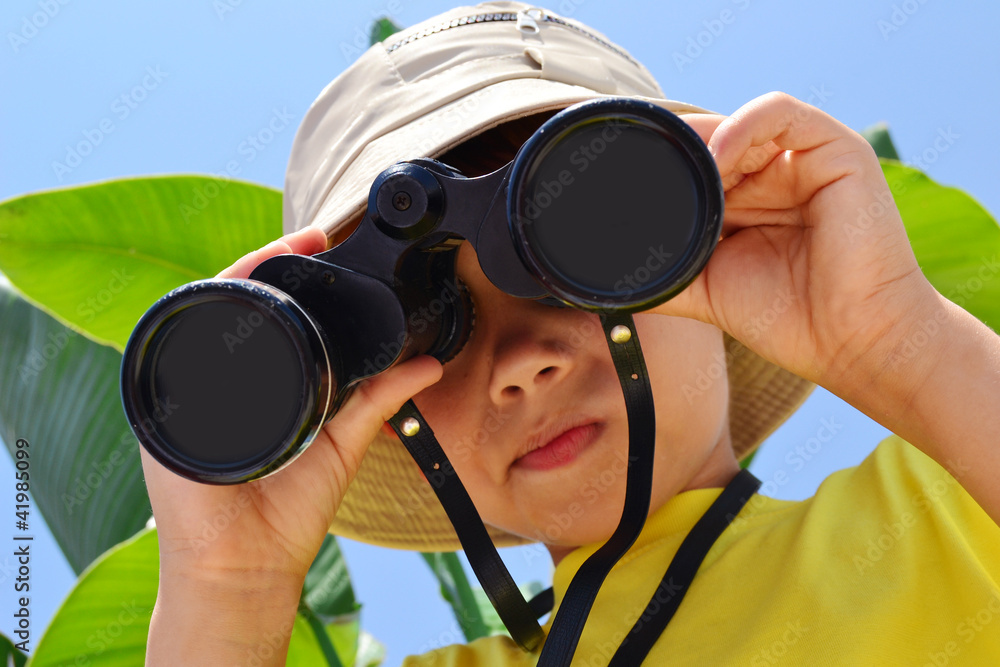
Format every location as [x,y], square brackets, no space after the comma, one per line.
[377,399]
[704,124]
[247,263]
[308,241]
[775,117]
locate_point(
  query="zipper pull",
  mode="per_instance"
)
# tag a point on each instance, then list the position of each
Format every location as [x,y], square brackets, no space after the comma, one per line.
[527,20]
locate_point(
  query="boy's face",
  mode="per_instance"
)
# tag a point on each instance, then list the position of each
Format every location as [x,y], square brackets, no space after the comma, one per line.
[532,375]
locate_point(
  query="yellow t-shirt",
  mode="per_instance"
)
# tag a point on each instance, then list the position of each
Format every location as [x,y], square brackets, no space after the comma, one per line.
[890,563]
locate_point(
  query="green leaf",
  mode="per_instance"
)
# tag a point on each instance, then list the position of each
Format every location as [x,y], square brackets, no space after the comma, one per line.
[371,651]
[105,619]
[327,589]
[323,640]
[456,591]
[329,607]
[352,646]
[490,616]
[97,256]
[956,241]
[878,136]
[10,655]
[60,392]
[382,29]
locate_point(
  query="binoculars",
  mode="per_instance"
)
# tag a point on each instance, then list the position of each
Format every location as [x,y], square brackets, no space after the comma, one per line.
[613,204]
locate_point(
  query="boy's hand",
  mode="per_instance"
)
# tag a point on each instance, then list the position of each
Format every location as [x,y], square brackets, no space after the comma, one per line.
[233,558]
[814,272]
[814,269]
[278,523]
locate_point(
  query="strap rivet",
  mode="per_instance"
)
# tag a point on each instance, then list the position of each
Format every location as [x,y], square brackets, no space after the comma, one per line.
[621,334]
[410,426]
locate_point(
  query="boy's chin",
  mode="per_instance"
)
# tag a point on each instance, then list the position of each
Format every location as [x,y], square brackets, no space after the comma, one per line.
[571,526]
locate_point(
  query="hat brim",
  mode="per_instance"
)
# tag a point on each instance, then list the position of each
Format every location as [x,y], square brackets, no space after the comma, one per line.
[389,503]
[433,132]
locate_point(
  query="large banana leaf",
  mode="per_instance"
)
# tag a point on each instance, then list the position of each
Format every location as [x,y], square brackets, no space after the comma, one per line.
[9,655]
[328,591]
[880,139]
[59,391]
[105,619]
[98,255]
[956,241]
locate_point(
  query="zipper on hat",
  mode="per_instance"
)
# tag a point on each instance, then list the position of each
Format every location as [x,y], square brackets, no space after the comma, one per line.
[526,20]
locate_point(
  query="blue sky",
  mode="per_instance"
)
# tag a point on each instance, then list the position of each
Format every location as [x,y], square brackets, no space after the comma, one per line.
[182,87]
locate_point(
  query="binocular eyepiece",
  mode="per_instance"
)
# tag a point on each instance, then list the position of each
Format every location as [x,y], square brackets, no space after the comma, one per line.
[611,205]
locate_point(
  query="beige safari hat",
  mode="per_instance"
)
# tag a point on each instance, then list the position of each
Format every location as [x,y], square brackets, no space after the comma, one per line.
[422,92]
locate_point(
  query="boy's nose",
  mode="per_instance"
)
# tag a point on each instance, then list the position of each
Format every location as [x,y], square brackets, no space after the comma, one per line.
[525,367]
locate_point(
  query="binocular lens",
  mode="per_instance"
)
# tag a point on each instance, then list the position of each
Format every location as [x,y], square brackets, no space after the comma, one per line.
[228,383]
[615,211]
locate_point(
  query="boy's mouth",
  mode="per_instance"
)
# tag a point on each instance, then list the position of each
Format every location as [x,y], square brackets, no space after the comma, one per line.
[550,449]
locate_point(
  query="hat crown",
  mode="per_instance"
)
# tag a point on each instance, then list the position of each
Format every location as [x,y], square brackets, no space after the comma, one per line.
[455,61]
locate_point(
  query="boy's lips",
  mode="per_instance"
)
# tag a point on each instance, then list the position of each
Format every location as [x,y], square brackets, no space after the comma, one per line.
[559,445]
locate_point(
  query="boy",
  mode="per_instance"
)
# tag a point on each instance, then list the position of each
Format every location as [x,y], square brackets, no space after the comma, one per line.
[842,578]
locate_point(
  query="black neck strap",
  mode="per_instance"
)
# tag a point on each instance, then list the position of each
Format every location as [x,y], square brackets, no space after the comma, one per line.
[623,341]
[499,586]
[519,615]
[680,573]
